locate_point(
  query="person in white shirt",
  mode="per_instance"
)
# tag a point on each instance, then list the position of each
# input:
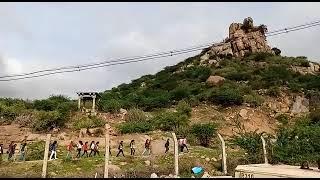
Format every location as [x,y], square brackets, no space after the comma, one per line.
[92,148]
[79,147]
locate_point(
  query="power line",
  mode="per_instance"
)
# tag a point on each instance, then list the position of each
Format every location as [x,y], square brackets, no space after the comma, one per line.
[141,58]
[104,65]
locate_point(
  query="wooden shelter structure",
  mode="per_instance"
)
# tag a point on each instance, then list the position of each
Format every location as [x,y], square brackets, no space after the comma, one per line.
[87,96]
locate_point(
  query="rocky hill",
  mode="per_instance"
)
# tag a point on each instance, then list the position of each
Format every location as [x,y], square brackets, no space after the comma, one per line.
[240,88]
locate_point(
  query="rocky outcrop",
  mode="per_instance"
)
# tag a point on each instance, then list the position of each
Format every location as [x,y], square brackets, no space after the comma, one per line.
[243,38]
[313,68]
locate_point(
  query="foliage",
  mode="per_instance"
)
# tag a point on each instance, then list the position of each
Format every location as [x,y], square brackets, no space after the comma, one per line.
[273,91]
[283,118]
[204,132]
[35,151]
[226,96]
[315,116]
[184,108]
[135,115]
[253,99]
[135,127]
[45,120]
[111,105]
[168,121]
[300,142]
[251,143]
[88,122]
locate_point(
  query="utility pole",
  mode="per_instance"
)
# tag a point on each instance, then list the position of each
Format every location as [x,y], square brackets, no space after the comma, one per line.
[106,161]
[45,159]
[176,156]
[224,155]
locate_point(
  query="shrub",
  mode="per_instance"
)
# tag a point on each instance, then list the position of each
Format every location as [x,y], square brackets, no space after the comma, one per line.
[45,120]
[35,151]
[184,108]
[110,105]
[200,73]
[273,91]
[283,118]
[253,99]
[168,121]
[135,115]
[251,143]
[297,143]
[315,116]
[135,127]
[226,95]
[88,122]
[204,132]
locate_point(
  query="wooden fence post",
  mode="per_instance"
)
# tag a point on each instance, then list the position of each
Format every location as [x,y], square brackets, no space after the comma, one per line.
[45,159]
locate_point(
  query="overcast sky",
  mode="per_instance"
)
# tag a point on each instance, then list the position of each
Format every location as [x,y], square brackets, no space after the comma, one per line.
[34,36]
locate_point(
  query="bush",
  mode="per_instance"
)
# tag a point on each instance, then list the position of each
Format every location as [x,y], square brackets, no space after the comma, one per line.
[35,151]
[135,115]
[251,143]
[45,120]
[168,121]
[253,99]
[88,122]
[273,91]
[135,127]
[315,116]
[283,118]
[110,105]
[226,96]
[184,108]
[298,143]
[204,132]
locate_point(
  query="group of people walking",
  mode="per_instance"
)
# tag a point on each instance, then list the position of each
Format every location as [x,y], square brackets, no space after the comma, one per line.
[83,148]
[12,149]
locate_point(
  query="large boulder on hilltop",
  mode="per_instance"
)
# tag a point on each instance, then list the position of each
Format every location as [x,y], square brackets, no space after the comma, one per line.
[215,80]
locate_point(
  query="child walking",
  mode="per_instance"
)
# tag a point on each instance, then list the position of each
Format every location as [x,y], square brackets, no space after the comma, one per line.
[96,149]
[120,148]
[69,149]
[166,146]
[85,149]
[132,147]
[146,147]
[79,147]
[53,150]
[92,147]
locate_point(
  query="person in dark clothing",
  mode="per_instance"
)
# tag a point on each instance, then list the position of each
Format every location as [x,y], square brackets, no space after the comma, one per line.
[11,150]
[167,146]
[132,147]
[79,147]
[22,151]
[1,151]
[109,148]
[120,148]
[92,147]
[53,148]
[96,149]
[85,149]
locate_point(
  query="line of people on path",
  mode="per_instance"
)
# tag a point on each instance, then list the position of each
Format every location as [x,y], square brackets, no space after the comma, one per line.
[12,149]
[83,148]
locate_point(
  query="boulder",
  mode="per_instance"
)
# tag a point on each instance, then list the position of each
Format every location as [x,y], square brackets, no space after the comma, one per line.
[243,113]
[301,105]
[214,159]
[153,175]
[123,163]
[205,175]
[147,162]
[207,159]
[215,80]
[203,157]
